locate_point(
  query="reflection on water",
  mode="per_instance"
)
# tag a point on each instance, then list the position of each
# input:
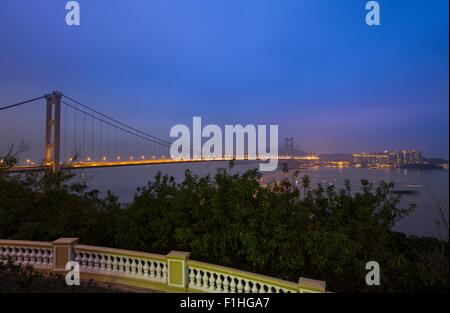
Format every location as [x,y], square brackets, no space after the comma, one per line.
[415,186]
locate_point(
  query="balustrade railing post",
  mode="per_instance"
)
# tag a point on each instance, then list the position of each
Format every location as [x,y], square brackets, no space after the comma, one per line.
[178,270]
[63,252]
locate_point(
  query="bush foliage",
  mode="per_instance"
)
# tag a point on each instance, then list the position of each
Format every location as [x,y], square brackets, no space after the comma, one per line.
[20,279]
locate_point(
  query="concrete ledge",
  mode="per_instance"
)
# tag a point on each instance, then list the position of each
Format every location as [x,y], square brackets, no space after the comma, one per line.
[179,255]
[65,242]
[311,285]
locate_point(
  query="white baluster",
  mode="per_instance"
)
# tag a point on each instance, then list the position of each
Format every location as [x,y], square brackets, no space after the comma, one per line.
[158,271]
[90,262]
[247,288]
[103,262]
[109,263]
[127,266]
[212,283]
[152,269]
[219,283]
[115,265]
[145,269]
[96,262]
[39,257]
[198,279]
[226,284]
[121,265]
[164,272]
[240,287]
[205,280]
[139,268]
[50,258]
[254,288]
[32,257]
[84,261]
[26,256]
[13,255]
[45,258]
[78,258]
[232,285]
[6,255]
[2,253]
[191,278]
[19,255]
[133,267]
[262,289]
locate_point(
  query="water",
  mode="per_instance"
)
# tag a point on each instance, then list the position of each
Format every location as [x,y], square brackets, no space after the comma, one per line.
[123,181]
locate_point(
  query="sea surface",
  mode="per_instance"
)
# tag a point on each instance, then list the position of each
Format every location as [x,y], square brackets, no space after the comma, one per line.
[429,187]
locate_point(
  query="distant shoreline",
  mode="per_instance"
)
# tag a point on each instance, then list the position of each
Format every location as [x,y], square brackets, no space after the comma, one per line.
[422,166]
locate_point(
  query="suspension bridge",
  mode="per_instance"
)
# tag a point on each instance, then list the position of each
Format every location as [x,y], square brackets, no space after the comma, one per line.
[78,136]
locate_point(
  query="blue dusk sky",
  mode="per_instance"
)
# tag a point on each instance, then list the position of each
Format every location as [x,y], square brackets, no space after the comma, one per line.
[311,66]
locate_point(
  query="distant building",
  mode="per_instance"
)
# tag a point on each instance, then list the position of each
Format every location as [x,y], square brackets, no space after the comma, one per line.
[409,157]
[390,158]
[370,158]
[338,164]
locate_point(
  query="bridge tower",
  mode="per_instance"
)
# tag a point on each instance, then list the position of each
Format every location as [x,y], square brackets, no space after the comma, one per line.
[289,145]
[53,130]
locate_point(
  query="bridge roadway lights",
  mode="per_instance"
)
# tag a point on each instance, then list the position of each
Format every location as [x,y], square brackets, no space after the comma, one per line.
[78,165]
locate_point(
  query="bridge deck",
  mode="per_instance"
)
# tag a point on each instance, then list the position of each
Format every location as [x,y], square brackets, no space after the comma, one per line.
[100,164]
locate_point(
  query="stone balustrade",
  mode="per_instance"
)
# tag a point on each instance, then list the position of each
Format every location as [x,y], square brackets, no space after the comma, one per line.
[173,272]
[121,263]
[213,278]
[33,253]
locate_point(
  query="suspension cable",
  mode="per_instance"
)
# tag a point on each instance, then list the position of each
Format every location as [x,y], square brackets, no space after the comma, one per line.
[118,127]
[155,139]
[20,103]
[116,121]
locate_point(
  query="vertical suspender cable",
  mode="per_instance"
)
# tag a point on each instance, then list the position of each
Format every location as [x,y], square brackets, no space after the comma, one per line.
[84,136]
[92,138]
[65,143]
[101,140]
[75,135]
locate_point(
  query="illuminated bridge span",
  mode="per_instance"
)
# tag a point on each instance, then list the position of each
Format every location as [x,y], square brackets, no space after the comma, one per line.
[78,136]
